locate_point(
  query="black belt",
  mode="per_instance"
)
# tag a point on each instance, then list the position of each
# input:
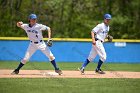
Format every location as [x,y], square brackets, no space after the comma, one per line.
[36,42]
[98,39]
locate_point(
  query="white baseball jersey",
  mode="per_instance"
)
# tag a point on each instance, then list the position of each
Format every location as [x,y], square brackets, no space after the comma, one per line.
[35,35]
[35,32]
[101,31]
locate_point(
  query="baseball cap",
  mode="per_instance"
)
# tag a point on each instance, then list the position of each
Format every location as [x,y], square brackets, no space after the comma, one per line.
[32,16]
[107,16]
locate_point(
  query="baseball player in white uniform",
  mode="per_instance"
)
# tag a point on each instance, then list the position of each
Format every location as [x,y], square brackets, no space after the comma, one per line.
[34,33]
[98,33]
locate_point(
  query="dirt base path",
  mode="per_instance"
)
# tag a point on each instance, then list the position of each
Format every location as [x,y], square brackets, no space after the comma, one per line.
[67,74]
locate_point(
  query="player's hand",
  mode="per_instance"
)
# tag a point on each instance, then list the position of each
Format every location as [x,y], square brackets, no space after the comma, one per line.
[94,43]
[49,42]
[19,24]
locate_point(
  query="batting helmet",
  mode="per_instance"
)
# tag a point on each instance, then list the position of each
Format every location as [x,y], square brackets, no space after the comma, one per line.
[107,16]
[32,16]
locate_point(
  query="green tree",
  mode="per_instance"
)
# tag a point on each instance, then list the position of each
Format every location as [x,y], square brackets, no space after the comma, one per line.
[72,18]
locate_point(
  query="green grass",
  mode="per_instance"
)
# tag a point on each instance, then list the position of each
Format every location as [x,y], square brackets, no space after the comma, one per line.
[57,85]
[71,66]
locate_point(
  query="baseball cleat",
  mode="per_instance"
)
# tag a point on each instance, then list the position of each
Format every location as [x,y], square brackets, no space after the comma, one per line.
[58,71]
[81,70]
[99,71]
[15,72]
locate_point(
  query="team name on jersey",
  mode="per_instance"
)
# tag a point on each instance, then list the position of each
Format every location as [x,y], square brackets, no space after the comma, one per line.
[104,31]
[32,31]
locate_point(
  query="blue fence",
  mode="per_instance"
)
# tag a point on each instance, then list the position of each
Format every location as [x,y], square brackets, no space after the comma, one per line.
[64,51]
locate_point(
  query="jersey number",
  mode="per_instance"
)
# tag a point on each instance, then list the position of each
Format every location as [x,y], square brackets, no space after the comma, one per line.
[37,36]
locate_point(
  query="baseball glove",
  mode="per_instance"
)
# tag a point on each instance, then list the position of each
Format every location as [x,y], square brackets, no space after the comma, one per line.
[49,42]
[110,38]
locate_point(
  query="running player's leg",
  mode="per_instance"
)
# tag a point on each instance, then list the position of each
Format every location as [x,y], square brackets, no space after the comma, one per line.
[31,49]
[91,56]
[102,54]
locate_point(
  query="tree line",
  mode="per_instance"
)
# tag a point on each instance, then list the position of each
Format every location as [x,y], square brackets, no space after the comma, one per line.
[72,18]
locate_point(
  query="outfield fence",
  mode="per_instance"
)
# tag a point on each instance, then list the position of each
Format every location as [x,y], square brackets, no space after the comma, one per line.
[71,50]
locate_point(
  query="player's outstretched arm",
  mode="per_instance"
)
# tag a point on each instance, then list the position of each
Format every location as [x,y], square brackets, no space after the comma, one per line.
[19,23]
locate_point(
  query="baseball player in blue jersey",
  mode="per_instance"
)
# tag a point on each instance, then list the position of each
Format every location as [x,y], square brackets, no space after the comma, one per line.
[98,33]
[34,33]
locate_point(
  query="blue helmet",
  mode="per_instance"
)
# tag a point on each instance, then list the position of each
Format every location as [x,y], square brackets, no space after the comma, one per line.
[107,16]
[32,16]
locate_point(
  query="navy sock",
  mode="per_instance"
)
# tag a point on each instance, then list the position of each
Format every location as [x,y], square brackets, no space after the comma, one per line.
[19,66]
[99,64]
[85,63]
[54,64]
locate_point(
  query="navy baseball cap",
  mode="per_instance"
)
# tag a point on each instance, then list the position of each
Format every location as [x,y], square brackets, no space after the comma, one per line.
[32,16]
[107,16]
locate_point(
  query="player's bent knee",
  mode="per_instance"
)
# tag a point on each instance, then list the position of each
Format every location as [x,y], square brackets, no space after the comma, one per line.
[90,59]
[24,61]
[103,59]
[51,58]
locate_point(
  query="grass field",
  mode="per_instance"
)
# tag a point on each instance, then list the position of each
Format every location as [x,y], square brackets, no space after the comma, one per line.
[57,85]
[69,85]
[71,66]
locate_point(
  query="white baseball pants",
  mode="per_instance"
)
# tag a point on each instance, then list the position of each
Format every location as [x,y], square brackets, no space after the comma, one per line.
[97,49]
[32,49]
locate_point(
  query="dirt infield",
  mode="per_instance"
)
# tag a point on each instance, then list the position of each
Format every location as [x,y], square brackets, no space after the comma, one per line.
[67,74]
